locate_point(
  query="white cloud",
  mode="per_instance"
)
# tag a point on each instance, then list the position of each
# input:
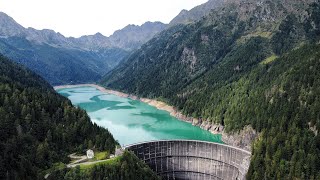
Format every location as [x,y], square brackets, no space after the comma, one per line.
[81,17]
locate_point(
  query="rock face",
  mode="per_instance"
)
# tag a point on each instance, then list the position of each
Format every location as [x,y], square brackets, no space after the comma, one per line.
[242,139]
[9,27]
[188,57]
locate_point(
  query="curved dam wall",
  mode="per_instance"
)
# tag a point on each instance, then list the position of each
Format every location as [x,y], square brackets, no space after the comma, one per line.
[196,160]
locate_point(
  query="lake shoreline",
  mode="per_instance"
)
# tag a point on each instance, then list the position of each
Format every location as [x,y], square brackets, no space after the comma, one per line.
[241,139]
[157,104]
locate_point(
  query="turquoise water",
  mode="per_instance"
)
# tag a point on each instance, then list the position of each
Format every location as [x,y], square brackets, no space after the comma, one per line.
[132,121]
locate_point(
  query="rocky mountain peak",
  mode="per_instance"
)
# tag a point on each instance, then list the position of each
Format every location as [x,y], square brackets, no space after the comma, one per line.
[132,36]
[129,38]
[9,27]
[196,13]
[98,34]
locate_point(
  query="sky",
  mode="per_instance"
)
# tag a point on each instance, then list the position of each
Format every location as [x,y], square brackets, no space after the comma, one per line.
[86,17]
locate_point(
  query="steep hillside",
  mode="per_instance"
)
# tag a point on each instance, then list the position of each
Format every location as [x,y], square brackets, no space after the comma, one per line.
[224,70]
[181,54]
[280,100]
[39,127]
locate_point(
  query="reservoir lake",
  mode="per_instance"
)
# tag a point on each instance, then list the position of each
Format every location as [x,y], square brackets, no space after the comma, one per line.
[131,121]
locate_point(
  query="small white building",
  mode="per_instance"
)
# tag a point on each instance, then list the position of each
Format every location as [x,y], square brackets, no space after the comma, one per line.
[90,154]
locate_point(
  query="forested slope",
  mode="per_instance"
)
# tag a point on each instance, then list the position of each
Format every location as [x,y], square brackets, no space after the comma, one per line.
[281,100]
[176,57]
[247,63]
[39,127]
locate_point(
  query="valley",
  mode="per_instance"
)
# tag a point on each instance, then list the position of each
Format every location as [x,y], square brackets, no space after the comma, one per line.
[69,60]
[228,89]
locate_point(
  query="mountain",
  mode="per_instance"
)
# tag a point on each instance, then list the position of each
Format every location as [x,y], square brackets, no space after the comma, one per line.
[9,27]
[133,36]
[129,38]
[62,60]
[182,53]
[247,63]
[196,13]
[39,127]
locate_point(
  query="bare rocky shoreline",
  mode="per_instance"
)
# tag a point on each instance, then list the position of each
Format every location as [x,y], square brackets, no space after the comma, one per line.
[242,139]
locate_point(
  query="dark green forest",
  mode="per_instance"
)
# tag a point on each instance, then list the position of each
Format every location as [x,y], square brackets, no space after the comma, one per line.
[39,127]
[242,65]
[280,100]
[125,167]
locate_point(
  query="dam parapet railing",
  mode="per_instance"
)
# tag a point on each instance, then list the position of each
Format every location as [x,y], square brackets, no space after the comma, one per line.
[193,160]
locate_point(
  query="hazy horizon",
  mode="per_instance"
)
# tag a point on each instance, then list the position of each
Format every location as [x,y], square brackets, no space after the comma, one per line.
[78,18]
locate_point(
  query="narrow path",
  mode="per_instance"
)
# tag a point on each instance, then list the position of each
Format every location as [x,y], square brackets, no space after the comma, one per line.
[85,163]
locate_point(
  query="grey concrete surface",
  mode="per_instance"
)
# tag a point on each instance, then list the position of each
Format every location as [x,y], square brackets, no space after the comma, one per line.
[193,160]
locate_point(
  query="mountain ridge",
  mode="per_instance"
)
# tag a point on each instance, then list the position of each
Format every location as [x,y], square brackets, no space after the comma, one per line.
[62,60]
[196,13]
[85,42]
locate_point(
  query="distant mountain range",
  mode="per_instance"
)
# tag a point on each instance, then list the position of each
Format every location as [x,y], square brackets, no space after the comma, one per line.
[62,60]
[69,60]
[128,38]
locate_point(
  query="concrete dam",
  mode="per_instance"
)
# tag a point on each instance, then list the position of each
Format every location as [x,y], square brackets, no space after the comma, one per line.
[193,160]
